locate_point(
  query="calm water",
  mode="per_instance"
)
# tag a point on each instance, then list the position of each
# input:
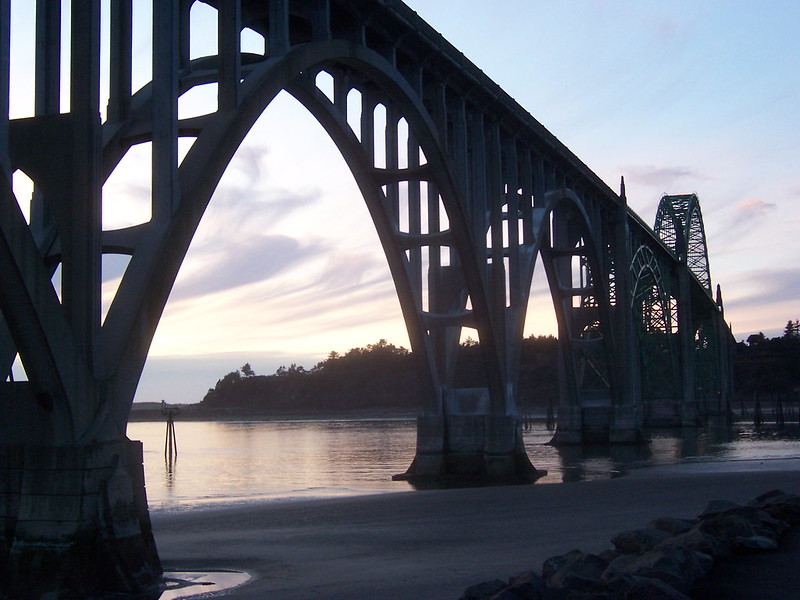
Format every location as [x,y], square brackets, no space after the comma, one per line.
[284,460]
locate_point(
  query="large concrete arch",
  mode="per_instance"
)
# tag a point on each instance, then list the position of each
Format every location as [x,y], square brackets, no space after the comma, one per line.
[571,249]
[204,164]
[496,187]
[654,311]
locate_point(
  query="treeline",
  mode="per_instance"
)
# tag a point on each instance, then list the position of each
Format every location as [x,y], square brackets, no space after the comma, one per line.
[385,376]
[379,376]
[769,365]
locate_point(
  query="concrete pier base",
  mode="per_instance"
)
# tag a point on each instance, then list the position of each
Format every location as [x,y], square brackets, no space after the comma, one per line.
[690,414]
[598,424]
[470,450]
[75,522]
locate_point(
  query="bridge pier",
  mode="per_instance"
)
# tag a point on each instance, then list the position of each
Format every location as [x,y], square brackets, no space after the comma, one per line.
[75,522]
[598,424]
[470,449]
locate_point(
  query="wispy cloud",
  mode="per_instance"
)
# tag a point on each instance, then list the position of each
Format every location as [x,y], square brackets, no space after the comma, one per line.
[664,178]
[752,208]
[238,262]
[764,287]
[741,218]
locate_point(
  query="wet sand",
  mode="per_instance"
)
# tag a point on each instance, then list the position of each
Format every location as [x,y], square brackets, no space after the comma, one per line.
[431,545]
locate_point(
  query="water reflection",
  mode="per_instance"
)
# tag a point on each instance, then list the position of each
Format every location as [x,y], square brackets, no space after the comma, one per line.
[244,461]
[169,470]
[584,463]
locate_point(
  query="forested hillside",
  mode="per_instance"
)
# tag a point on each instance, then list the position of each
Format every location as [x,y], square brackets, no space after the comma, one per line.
[384,376]
[380,376]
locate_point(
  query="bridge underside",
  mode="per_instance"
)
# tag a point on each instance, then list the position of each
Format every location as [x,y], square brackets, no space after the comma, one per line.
[466,190]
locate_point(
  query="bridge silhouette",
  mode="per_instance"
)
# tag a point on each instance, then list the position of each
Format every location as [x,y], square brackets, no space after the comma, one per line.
[465,188]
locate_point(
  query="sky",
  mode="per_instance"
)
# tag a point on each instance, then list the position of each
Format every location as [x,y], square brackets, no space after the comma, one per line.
[677,96]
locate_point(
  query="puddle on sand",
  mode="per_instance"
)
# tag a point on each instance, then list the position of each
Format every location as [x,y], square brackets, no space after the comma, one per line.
[200,584]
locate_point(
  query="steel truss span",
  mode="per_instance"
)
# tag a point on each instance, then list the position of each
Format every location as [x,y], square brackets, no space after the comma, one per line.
[466,191]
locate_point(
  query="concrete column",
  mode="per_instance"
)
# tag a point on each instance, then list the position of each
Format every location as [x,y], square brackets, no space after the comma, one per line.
[626,413]
[689,409]
[75,522]
[473,449]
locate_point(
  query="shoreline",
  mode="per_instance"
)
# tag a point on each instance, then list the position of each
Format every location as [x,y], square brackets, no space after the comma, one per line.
[436,543]
[147,415]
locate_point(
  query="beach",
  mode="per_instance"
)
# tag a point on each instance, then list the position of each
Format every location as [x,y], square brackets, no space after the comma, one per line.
[433,544]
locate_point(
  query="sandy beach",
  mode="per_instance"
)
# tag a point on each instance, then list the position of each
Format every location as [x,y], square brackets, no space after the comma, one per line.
[431,545]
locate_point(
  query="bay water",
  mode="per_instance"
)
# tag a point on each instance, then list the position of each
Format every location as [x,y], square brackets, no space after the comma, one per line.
[246,461]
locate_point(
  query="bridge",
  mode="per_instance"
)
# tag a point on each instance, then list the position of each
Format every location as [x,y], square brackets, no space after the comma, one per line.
[466,191]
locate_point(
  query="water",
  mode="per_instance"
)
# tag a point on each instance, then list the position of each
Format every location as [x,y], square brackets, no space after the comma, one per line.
[287,460]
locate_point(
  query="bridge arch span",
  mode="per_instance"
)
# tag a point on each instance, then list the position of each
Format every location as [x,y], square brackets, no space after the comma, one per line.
[571,250]
[654,312]
[215,145]
[494,190]
[679,224]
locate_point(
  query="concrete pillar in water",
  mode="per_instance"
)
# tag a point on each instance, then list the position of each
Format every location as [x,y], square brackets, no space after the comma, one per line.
[75,522]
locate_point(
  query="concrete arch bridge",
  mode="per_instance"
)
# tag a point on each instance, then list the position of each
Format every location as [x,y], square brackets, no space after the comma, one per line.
[465,188]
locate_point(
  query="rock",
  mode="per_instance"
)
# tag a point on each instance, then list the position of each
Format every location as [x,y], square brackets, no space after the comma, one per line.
[717,506]
[608,555]
[727,527]
[671,525]
[579,571]
[518,592]
[699,541]
[527,586]
[530,577]
[779,505]
[638,541]
[484,590]
[580,595]
[660,562]
[648,588]
[768,498]
[555,563]
[756,543]
[678,567]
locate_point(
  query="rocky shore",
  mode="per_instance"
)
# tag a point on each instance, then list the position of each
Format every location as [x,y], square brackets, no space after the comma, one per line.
[435,544]
[663,561]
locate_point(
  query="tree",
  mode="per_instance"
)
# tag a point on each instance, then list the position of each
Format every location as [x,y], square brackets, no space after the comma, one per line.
[294,369]
[247,370]
[792,329]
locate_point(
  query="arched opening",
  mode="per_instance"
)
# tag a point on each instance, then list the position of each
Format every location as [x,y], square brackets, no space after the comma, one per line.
[655,327]
[580,298]
[285,266]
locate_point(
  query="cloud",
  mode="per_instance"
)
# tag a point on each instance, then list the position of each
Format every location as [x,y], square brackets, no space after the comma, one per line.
[661,177]
[241,209]
[765,287]
[247,162]
[752,208]
[741,220]
[239,262]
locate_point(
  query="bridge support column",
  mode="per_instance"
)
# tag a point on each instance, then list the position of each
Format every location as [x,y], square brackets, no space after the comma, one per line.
[75,522]
[470,449]
[625,425]
[570,425]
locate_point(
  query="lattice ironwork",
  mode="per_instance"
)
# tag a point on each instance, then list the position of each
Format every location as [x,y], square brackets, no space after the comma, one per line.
[656,325]
[679,224]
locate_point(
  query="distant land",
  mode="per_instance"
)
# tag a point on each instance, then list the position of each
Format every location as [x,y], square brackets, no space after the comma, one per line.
[380,381]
